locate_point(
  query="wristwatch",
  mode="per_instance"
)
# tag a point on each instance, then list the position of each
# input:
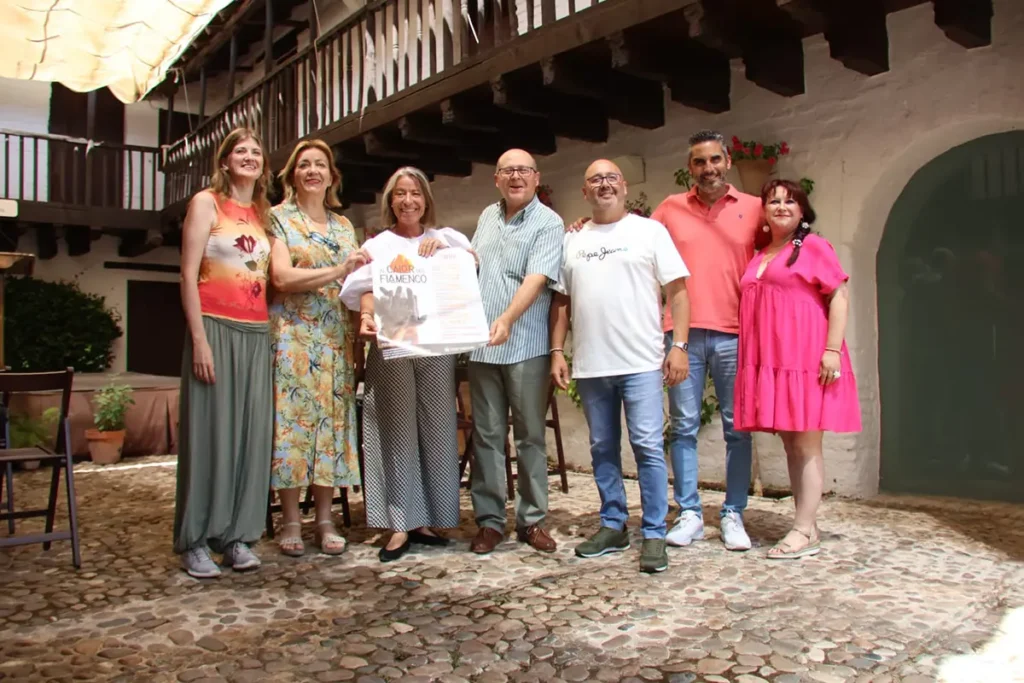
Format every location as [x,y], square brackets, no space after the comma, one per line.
[685,346]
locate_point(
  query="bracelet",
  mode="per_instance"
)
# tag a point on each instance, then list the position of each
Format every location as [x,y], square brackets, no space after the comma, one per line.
[834,350]
[366,314]
[559,350]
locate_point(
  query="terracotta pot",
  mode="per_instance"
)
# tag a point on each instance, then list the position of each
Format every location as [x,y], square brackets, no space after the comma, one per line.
[753,174]
[105,447]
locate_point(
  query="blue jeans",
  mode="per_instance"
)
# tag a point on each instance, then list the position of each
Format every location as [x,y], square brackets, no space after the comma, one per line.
[603,398]
[714,352]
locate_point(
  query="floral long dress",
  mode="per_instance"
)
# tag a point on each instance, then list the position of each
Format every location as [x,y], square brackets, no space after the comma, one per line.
[315,438]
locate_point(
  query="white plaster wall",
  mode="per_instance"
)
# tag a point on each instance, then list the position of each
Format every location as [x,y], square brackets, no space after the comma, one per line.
[859,138]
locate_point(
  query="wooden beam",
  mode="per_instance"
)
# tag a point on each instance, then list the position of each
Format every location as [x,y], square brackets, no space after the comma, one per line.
[202,95]
[10,235]
[46,242]
[597,22]
[776,63]
[79,240]
[383,143]
[232,65]
[967,22]
[358,197]
[857,34]
[135,243]
[635,101]
[576,118]
[219,37]
[170,119]
[66,214]
[481,147]
[268,38]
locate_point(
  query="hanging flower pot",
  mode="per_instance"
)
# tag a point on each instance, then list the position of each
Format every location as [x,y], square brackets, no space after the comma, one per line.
[755,162]
[754,173]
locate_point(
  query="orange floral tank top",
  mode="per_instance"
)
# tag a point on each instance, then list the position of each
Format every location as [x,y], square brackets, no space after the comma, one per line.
[233,272]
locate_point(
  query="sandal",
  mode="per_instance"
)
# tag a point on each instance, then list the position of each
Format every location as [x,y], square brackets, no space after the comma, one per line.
[330,543]
[785,549]
[292,545]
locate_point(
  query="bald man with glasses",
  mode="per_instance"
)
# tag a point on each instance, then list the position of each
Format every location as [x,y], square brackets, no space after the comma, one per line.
[519,243]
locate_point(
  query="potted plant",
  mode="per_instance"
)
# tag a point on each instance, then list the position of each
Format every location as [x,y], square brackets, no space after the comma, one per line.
[106,441]
[755,161]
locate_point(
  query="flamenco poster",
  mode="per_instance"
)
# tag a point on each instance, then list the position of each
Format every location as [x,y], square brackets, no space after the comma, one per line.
[428,306]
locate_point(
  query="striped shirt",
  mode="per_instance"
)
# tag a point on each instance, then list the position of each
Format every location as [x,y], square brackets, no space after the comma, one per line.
[529,244]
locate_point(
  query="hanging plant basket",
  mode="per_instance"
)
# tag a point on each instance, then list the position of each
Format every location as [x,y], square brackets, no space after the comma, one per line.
[754,173]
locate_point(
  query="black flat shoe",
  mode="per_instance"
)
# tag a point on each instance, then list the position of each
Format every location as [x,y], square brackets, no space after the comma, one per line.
[427,539]
[386,555]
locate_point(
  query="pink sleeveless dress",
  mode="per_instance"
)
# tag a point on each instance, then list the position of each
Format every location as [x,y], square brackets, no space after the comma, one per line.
[783,330]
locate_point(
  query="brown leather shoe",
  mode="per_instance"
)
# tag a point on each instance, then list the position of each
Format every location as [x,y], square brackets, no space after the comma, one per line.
[486,540]
[538,538]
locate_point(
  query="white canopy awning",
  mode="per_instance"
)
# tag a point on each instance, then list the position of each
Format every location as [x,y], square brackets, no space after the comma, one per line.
[126,45]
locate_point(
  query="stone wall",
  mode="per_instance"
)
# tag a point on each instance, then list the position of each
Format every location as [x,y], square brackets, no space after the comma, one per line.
[859,138]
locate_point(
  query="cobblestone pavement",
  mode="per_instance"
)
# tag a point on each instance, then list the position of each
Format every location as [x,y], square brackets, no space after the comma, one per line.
[904,590]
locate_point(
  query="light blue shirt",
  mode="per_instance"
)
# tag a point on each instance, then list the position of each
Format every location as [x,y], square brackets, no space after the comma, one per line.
[528,244]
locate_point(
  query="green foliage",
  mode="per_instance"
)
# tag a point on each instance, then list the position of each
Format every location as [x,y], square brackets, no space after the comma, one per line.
[27,432]
[683,178]
[111,403]
[54,325]
[807,185]
[639,206]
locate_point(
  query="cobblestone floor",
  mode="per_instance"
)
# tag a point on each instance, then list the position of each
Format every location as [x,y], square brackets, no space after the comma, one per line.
[905,590]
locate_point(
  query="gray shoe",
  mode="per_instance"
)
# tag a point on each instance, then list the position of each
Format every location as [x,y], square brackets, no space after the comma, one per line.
[606,540]
[240,557]
[198,563]
[653,556]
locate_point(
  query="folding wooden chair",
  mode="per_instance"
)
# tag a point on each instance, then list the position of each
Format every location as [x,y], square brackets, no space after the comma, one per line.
[59,459]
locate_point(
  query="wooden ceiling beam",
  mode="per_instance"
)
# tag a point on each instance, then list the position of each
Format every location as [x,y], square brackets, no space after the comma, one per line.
[697,77]
[856,33]
[967,22]
[381,144]
[634,101]
[476,146]
[46,242]
[220,37]
[576,118]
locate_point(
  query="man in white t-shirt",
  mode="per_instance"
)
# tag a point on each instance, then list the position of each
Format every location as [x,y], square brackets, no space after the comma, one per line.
[613,271]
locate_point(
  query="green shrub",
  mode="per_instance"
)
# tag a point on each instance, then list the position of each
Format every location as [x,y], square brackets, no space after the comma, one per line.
[32,433]
[55,325]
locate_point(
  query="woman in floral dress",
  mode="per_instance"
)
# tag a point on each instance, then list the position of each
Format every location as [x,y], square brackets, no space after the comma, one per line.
[314,345]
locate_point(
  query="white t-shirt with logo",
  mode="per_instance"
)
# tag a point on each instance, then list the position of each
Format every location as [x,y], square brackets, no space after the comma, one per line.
[614,274]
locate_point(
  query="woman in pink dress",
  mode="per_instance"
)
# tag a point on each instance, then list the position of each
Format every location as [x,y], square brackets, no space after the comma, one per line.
[795,377]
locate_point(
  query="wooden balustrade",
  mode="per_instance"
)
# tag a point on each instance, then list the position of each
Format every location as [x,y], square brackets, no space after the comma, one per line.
[382,50]
[38,167]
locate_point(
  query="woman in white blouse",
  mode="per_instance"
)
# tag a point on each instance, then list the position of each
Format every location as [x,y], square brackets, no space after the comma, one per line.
[411,462]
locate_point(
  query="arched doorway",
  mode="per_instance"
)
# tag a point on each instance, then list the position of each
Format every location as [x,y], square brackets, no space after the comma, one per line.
[951,325]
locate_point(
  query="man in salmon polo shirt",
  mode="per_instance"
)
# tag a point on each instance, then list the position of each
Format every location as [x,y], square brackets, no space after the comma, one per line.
[713,227]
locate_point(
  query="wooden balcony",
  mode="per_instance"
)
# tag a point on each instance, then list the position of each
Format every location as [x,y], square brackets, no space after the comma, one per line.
[412,82]
[60,181]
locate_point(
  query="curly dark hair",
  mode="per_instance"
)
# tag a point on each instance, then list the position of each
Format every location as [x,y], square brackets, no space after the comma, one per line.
[797,194]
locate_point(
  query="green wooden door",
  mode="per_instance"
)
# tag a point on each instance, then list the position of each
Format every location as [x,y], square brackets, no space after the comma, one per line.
[951,326]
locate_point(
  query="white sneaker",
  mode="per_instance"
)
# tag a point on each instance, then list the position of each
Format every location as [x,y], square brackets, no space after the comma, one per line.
[240,557]
[734,536]
[198,563]
[689,527]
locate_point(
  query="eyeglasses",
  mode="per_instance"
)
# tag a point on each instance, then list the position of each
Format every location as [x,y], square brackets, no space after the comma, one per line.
[598,180]
[524,171]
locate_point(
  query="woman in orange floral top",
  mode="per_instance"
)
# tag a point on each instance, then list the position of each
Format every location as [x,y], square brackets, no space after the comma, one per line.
[314,340]
[226,404]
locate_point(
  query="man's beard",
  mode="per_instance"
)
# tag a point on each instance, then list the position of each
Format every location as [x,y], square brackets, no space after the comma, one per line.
[711,184]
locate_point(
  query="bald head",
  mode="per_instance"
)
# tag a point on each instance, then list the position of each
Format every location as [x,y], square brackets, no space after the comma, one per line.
[605,190]
[602,166]
[516,177]
[516,157]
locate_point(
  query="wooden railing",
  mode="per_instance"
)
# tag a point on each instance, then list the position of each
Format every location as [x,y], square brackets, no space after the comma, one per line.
[38,167]
[386,47]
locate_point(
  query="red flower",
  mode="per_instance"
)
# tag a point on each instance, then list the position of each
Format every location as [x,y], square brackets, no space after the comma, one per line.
[746,150]
[246,243]
[783,148]
[735,141]
[772,160]
[758,149]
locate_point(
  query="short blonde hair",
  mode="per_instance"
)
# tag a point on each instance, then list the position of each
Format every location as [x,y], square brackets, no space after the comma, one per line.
[220,179]
[387,214]
[287,174]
